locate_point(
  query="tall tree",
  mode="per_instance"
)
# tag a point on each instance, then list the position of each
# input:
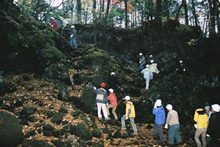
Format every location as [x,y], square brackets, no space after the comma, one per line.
[194,12]
[107,12]
[186,12]
[166,3]
[212,5]
[78,11]
[159,13]
[178,12]
[126,14]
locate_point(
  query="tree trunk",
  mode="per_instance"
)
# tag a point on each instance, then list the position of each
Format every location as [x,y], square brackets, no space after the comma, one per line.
[177,15]
[94,21]
[167,9]
[107,12]
[126,14]
[194,12]
[217,16]
[72,6]
[158,13]
[212,17]
[186,13]
[78,11]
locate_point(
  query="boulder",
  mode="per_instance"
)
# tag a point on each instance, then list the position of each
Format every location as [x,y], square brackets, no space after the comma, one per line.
[63,92]
[89,98]
[57,118]
[81,130]
[10,129]
[35,143]
[28,111]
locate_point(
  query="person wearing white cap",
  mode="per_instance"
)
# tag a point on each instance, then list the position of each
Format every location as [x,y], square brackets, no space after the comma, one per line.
[214,126]
[201,118]
[173,122]
[130,114]
[159,113]
[113,103]
[142,61]
[148,75]
[54,24]
[73,36]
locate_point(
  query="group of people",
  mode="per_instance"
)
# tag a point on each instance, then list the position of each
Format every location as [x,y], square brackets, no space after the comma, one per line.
[102,99]
[151,67]
[207,125]
[55,27]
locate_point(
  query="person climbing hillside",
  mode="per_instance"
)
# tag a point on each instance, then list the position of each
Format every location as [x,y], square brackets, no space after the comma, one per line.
[73,36]
[113,103]
[201,118]
[113,83]
[101,101]
[214,126]
[130,114]
[153,67]
[147,75]
[54,24]
[173,122]
[141,61]
[159,113]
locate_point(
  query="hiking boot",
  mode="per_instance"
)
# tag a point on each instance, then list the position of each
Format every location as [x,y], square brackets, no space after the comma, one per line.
[100,118]
[123,128]
[107,118]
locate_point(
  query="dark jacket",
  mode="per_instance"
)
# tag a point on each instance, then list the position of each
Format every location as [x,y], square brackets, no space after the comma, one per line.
[214,125]
[102,96]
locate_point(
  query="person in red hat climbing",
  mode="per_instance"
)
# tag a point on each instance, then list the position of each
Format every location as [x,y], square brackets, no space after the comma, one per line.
[101,101]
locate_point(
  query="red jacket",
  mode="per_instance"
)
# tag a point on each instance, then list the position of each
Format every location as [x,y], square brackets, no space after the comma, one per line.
[54,24]
[113,99]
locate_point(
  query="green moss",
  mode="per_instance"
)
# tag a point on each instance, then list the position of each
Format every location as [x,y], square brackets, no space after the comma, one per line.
[184,28]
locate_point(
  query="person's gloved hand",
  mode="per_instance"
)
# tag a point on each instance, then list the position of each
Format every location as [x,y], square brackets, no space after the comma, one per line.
[166,126]
[94,88]
[106,104]
[207,135]
[126,118]
[155,105]
[71,35]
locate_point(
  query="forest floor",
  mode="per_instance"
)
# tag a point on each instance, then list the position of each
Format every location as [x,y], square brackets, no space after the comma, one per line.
[41,94]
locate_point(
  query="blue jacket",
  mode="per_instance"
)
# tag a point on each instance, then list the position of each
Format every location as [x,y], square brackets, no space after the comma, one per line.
[147,73]
[159,115]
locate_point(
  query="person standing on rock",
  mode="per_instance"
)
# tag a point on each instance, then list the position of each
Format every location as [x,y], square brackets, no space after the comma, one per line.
[113,103]
[101,101]
[159,113]
[201,118]
[73,36]
[113,83]
[53,24]
[214,126]
[173,122]
[130,114]
[148,75]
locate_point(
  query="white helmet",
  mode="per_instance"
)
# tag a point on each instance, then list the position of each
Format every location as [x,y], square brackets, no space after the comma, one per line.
[140,54]
[52,18]
[147,66]
[151,56]
[169,107]
[127,98]
[72,26]
[180,61]
[151,61]
[216,107]
[159,102]
[111,90]
[112,73]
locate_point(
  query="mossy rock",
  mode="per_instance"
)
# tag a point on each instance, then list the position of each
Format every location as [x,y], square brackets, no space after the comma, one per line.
[63,91]
[49,56]
[57,118]
[28,111]
[30,133]
[80,78]
[89,97]
[50,114]
[58,143]
[58,71]
[98,144]
[81,130]
[84,118]
[10,129]
[63,110]
[66,129]
[20,101]
[35,143]
[76,113]
[97,133]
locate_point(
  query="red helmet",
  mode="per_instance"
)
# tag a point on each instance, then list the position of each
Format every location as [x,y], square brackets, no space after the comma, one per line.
[103,85]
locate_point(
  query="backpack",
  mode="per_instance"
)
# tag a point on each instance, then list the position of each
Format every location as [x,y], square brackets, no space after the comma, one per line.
[100,94]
